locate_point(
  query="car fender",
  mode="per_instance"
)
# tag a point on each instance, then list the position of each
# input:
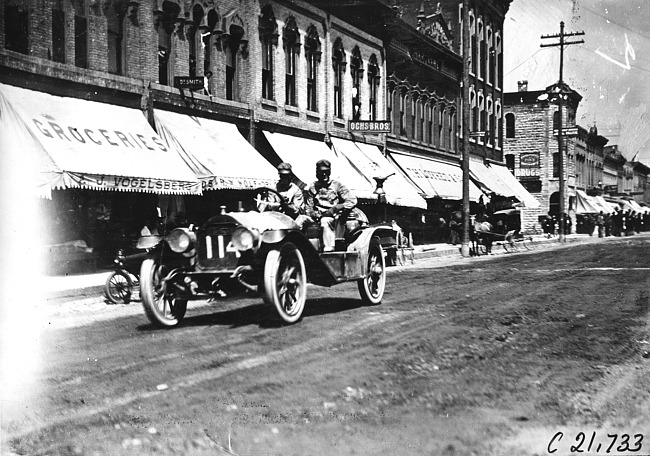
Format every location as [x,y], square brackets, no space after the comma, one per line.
[383,235]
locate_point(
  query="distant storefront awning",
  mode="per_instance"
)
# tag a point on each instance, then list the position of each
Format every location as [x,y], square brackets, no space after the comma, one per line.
[518,190]
[215,151]
[303,154]
[489,181]
[605,206]
[436,178]
[86,144]
[586,204]
[369,161]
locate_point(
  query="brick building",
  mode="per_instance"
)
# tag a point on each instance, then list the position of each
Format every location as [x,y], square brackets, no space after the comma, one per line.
[531,148]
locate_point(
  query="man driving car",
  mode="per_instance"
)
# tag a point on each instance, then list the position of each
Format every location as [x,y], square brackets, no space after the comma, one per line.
[328,199]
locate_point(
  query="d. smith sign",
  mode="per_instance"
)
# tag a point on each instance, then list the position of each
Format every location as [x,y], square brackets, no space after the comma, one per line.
[369,126]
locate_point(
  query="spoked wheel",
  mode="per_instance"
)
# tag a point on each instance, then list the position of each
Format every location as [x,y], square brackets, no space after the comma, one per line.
[118,287]
[527,242]
[285,282]
[161,309]
[371,287]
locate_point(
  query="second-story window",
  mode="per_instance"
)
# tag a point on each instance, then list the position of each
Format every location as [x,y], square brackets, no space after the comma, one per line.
[402,113]
[414,111]
[421,120]
[194,41]
[429,110]
[80,34]
[356,70]
[312,55]
[115,24]
[166,23]
[291,42]
[374,75]
[17,26]
[234,47]
[269,38]
[510,125]
[389,108]
[58,32]
[338,64]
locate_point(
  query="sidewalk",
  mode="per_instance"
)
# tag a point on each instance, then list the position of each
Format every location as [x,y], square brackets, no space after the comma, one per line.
[82,285]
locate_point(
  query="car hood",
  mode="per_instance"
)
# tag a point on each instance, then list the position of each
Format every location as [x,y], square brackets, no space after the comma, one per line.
[261,221]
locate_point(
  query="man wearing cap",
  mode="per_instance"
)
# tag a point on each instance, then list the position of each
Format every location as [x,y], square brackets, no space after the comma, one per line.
[328,198]
[290,192]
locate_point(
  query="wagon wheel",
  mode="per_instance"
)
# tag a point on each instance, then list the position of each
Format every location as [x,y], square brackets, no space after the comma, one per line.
[118,287]
[285,282]
[372,286]
[161,308]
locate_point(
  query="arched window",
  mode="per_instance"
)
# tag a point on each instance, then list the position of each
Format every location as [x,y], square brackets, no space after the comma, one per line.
[510,125]
[414,111]
[291,41]
[389,108]
[80,34]
[269,38]
[374,75]
[452,132]
[421,102]
[356,70]
[115,34]
[402,113]
[17,26]
[208,35]
[338,65]
[473,43]
[166,26]
[556,120]
[312,54]
[430,113]
[232,43]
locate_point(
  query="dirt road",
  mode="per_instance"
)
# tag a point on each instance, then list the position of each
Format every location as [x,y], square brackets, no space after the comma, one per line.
[506,355]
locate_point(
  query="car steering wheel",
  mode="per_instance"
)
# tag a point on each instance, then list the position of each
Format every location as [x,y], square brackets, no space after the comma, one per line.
[267,199]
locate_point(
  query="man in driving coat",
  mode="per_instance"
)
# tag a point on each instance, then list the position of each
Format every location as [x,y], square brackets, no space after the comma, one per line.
[329,198]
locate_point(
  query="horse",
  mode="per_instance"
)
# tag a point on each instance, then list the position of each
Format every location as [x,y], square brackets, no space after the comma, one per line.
[482,234]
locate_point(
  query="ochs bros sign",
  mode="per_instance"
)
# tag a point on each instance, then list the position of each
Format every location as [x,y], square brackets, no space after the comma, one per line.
[369,126]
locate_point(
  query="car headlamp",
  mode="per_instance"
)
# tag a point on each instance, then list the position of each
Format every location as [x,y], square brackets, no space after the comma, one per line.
[244,239]
[181,240]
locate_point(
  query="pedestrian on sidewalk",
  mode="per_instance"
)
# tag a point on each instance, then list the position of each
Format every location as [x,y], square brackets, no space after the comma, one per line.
[600,222]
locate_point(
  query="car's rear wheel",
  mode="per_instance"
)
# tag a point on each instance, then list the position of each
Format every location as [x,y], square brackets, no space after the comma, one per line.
[161,309]
[118,287]
[372,286]
[285,282]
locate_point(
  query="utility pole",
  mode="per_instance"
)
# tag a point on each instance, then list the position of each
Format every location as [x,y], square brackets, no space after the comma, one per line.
[464,246]
[560,97]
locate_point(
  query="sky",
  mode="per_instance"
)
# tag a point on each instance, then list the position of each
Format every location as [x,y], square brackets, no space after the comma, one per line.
[611,70]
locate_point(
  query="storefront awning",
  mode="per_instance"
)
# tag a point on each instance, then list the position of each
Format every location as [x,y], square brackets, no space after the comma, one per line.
[508,179]
[436,178]
[586,204]
[86,144]
[606,207]
[489,181]
[215,151]
[369,161]
[303,154]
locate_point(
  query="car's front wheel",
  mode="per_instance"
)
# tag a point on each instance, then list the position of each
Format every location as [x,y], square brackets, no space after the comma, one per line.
[285,282]
[371,287]
[162,309]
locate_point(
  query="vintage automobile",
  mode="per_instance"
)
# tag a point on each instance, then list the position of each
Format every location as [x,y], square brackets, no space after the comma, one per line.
[262,251]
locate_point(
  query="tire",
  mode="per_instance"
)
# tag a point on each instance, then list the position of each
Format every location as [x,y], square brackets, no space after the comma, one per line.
[285,282]
[527,242]
[162,311]
[372,286]
[118,287]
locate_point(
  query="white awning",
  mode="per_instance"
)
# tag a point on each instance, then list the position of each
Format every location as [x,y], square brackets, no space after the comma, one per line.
[518,190]
[86,144]
[489,180]
[303,154]
[436,178]
[586,204]
[606,207]
[369,161]
[216,152]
